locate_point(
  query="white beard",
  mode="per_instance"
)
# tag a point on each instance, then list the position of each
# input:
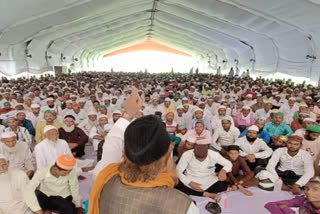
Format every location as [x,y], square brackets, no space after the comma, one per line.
[68,128]
[54,143]
[10,149]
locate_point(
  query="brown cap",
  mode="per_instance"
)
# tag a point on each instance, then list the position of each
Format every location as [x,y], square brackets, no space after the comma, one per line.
[201,150]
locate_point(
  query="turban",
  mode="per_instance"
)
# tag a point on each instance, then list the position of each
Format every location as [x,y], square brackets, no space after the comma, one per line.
[6,103]
[66,162]
[182,126]
[144,147]
[295,138]
[103,106]
[48,111]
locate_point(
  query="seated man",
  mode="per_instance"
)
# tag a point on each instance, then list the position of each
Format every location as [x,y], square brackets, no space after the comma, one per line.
[52,147]
[74,136]
[244,119]
[311,141]
[216,120]
[18,153]
[97,133]
[277,127]
[295,166]
[235,179]
[203,136]
[260,123]
[306,122]
[298,123]
[198,115]
[12,185]
[171,125]
[87,124]
[224,136]
[254,150]
[21,132]
[278,142]
[49,119]
[196,172]
[265,111]
[188,145]
[22,121]
[55,188]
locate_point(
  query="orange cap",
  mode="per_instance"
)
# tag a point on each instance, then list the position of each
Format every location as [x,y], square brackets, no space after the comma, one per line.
[66,162]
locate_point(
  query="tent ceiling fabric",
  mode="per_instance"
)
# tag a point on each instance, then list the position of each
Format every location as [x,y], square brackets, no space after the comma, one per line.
[268,36]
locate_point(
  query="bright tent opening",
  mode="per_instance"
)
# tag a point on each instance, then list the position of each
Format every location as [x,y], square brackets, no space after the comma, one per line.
[148,56]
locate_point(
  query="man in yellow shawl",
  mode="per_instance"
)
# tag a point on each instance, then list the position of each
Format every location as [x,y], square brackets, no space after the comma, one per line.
[143,182]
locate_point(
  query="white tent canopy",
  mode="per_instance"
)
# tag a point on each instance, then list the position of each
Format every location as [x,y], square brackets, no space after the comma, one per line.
[267,36]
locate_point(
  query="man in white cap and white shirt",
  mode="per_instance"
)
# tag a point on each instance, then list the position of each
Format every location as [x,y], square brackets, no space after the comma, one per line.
[253,149]
[18,153]
[35,116]
[68,110]
[248,101]
[225,136]
[216,120]
[87,124]
[154,107]
[180,117]
[97,133]
[288,110]
[12,185]
[198,115]
[51,105]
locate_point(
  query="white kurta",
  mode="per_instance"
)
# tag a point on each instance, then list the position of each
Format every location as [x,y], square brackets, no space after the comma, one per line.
[12,185]
[190,168]
[21,159]
[34,119]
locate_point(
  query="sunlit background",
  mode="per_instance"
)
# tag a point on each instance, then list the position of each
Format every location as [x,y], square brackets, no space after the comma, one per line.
[152,61]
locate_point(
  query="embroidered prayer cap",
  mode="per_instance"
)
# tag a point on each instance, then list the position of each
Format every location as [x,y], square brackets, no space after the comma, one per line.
[19,104]
[313,128]
[35,105]
[66,162]
[170,111]
[283,138]
[182,126]
[116,112]
[292,98]
[246,107]
[279,113]
[48,112]
[226,118]
[167,99]
[144,147]
[180,107]
[275,111]
[249,95]
[103,106]
[70,116]
[102,116]
[8,134]
[309,119]
[222,107]
[200,150]
[6,103]
[48,128]
[92,113]
[253,128]
[295,138]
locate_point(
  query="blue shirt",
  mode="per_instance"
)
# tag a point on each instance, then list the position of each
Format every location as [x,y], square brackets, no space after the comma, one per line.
[28,125]
[263,135]
[282,129]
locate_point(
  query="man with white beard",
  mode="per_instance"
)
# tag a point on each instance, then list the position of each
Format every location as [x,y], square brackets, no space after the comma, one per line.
[180,117]
[18,153]
[47,151]
[75,137]
[12,184]
[216,120]
[88,123]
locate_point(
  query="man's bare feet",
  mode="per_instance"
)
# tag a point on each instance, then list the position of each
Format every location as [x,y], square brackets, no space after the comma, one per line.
[213,196]
[245,191]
